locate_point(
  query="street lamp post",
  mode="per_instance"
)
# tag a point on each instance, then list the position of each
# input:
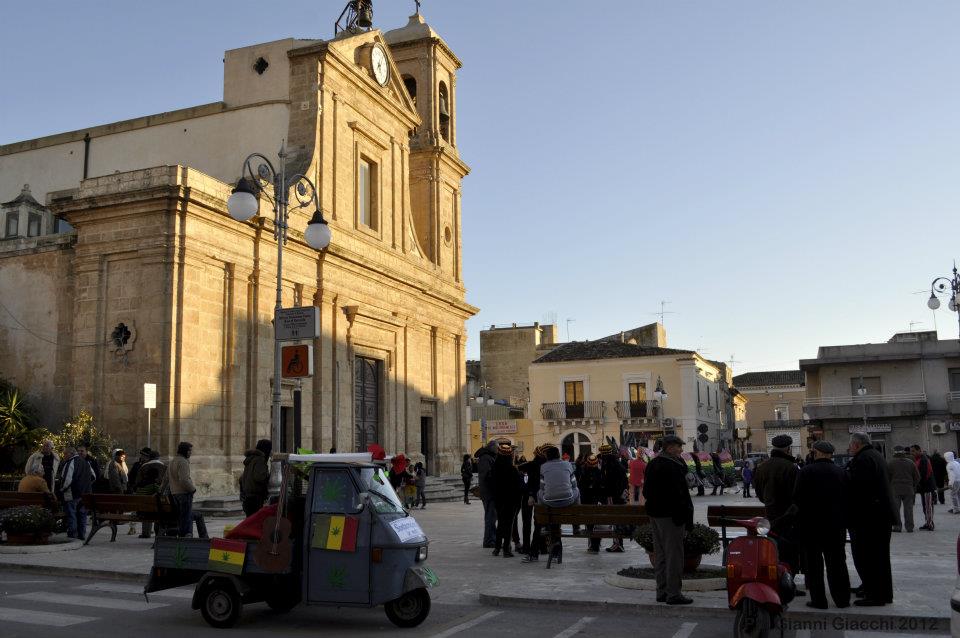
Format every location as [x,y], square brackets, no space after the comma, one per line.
[660,395]
[244,204]
[942,285]
[862,392]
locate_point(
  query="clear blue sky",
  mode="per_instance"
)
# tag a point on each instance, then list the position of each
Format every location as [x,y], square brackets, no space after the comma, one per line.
[786,175]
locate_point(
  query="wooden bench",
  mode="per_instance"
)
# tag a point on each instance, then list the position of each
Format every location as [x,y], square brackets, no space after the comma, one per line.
[40,499]
[582,515]
[110,509]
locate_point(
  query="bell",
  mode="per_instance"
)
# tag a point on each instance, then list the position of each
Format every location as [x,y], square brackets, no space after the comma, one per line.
[444,113]
[364,14]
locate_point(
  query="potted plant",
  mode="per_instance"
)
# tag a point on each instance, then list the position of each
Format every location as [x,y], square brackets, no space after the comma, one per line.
[27,525]
[697,543]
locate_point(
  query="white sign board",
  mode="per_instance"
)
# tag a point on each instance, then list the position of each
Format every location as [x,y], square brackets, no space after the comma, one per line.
[292,324]
[150,396]
[407,529]
[505,426]
[870,428]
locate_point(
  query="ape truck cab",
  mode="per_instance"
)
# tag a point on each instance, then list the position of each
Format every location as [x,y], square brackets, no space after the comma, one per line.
[337,536]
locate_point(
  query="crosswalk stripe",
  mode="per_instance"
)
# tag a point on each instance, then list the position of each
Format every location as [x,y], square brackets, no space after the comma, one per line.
[685,630]
[42,617]
[122,588]
[88,601]
[456,629]
[575,628]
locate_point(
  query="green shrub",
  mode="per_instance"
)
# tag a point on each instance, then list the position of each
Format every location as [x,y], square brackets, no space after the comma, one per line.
[80,430]
[701,540]
[29,519]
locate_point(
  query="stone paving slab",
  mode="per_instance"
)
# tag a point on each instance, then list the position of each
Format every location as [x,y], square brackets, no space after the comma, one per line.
[924,567]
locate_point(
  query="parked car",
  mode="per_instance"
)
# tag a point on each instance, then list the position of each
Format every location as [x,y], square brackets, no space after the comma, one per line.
[841,460]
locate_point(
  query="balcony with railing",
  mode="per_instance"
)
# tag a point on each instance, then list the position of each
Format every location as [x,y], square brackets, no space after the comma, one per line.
[953,402]
[869,405]
[581,413]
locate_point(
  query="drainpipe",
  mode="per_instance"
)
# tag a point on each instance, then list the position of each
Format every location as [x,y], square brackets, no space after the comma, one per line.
[86,154]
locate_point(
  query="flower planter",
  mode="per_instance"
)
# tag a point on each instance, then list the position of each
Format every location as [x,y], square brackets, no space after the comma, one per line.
[690,561]
[28,538]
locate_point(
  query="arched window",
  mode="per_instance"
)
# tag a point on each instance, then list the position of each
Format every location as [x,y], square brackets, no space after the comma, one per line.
[411,85]
[444,112]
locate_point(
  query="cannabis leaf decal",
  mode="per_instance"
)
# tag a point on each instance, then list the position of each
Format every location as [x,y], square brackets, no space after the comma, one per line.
[335,531]
[337,578]
[179,556]
[225,557]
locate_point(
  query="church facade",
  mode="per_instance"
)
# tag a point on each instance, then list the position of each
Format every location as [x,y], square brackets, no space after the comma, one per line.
[120,266]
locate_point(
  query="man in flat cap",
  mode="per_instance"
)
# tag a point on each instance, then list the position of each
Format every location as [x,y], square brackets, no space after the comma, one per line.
[871,517]
[821,502]
[671,516]
[775,480]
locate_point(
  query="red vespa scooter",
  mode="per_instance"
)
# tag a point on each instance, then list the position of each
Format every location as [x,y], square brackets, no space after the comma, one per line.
[759,586]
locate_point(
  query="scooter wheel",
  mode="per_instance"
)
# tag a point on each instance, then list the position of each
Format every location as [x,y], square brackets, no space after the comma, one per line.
[752,621]
[220,605]
[409,610]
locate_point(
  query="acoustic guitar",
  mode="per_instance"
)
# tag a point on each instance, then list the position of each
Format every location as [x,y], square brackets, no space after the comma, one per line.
[274,551]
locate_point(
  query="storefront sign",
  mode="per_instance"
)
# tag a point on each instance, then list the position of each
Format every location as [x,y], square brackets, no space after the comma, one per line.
[495,428]
[870,428]
[954,426]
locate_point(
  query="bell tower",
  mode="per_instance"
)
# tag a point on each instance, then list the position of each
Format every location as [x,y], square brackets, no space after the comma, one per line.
[428,68]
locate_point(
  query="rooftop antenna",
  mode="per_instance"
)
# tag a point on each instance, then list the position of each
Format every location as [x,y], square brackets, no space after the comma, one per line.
[663,310]
[568,327]
[357,15]
[732,361]
[915,323]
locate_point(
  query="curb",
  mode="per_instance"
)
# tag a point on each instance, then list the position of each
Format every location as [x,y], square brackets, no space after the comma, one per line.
[647,584]
[74,572]
[829,619]
[49,548]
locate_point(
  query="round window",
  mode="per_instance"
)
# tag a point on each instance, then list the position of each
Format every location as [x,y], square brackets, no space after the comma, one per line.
[447,234]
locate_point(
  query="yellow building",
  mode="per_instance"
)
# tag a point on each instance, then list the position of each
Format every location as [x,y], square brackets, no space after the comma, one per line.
[774,407]
[153,281]
[583,392]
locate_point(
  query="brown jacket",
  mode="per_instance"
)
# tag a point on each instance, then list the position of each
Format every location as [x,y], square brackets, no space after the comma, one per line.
[904,476]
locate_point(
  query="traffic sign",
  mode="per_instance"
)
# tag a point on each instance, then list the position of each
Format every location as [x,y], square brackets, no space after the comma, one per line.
[293,324]
[150,396]
[296,362]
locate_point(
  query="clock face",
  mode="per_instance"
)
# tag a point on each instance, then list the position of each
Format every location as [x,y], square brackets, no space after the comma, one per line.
[378,62]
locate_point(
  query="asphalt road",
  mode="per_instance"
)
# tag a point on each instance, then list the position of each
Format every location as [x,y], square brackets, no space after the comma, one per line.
[32,605]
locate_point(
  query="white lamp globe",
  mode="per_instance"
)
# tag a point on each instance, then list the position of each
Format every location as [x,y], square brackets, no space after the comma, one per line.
[242,205]
[318,233]
[933,303]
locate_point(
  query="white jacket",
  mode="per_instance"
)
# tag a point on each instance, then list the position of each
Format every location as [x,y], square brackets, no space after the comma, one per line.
[953,468]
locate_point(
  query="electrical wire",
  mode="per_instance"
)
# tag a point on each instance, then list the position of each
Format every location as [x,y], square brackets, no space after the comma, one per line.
[41,337]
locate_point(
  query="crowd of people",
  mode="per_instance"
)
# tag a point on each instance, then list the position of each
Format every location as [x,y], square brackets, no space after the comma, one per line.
[77,473]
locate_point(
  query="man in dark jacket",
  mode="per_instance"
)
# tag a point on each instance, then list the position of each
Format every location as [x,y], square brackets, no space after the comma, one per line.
[505,481]
[671,515]
[485,458]
[613,481]
[775,480]
[904,479]
[256,477]
[939,475]
[531,469]
[142,458]
[870,516]
[590,482]
[927,487]
[821,502]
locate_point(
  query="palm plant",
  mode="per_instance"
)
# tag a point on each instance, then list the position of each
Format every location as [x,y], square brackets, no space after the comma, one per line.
[18,423]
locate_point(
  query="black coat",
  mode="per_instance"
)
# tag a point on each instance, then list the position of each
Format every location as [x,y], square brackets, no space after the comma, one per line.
[591,489]
[613,479]
[821,499]
[666,492]
[939,469]
[532,470]
[775,480]
[505,480]
[871,504]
